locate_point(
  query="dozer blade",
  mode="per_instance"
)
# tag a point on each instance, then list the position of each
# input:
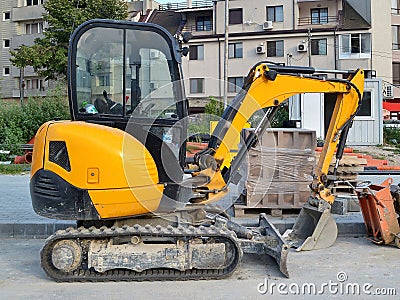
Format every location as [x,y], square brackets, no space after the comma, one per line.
[314,229]
[268,241]
[278,249]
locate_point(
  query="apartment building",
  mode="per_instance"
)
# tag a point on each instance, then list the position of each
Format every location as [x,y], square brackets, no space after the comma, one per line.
[329,34]
[325,34]
[21,23]
[392,101]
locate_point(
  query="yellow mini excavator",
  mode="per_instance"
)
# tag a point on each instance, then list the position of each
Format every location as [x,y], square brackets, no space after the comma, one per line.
[118,168]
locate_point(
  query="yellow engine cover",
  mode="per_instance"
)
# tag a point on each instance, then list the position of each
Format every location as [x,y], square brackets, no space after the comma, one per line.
[116,169]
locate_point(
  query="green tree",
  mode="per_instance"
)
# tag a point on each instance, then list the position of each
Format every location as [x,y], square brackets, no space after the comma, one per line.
[214,107]
[48,55]
[281,116]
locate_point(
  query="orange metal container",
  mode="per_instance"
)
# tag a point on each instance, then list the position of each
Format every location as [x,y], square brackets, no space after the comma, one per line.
[380,217]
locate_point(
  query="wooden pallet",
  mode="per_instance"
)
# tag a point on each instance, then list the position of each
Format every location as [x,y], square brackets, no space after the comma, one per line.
[340,187]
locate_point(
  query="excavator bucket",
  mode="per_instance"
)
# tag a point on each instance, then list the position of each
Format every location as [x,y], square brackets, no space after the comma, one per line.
[314,229]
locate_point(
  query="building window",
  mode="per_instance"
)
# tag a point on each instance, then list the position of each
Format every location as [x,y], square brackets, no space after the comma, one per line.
[235,84]
[196,85]
[395,7]
[396,73]
[275,13]
[366,105]
[6,71]
[203,23]
[33,28]
[235,50]
[355,46]
[103,80]
[33,2]
[275,49]
[318,47]
[196,52]
[396,37]
[6,43]
[235,16]
[6,15]
[34,84]
[319,15]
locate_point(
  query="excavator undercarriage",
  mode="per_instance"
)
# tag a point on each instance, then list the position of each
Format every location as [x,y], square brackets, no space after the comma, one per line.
[138,253]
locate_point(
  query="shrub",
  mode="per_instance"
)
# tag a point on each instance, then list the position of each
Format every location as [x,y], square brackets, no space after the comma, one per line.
[391,135]
[19,124]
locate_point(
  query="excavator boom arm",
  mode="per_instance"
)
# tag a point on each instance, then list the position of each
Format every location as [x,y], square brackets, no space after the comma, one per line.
[267,86]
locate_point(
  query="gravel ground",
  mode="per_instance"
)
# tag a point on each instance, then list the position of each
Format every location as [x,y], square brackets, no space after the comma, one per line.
[391,154]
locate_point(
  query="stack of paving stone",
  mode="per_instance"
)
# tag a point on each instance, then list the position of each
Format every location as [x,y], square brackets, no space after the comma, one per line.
[348,168]
[280,168]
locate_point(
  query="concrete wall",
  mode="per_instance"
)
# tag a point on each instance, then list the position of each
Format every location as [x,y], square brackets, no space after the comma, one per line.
[395,20]
[254,14]
[381,39]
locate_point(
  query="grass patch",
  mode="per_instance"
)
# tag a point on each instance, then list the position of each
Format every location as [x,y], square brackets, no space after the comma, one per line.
[13,169]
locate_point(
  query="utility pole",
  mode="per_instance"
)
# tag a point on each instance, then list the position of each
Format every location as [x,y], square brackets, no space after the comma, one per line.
[289,59]
[226,53]
[309,46]
[21,86]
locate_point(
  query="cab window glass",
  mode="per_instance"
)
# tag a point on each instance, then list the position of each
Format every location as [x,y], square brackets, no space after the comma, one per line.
[124,79]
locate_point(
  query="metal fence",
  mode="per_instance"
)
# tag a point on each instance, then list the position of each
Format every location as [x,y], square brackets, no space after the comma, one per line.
[318,21]
[198,28]
[182,5]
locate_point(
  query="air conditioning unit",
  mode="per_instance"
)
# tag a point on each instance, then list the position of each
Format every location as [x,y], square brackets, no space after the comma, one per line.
[154,54]
[267,25]
[388,92]
[260,49]
[153,86]
[301,48]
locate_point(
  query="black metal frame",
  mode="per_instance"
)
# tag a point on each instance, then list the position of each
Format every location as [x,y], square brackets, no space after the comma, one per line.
[151,142]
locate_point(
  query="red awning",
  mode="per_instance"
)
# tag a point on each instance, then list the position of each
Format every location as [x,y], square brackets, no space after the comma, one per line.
[392,107]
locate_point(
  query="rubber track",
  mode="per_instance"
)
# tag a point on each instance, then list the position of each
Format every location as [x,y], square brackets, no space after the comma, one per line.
[83,274]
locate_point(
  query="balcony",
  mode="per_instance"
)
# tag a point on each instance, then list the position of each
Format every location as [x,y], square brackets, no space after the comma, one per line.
[26,13]
[198,29]
[322,21]
[395,11]
[30,93]
[184,5]
[24,39]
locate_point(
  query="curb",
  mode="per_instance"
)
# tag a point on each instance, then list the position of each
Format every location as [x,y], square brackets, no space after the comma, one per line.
[32,230]
[348,225]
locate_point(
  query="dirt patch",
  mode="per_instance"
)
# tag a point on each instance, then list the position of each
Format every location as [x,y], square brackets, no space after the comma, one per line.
[391,154]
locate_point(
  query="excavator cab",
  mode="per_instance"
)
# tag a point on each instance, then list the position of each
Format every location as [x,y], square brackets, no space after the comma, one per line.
[128,76]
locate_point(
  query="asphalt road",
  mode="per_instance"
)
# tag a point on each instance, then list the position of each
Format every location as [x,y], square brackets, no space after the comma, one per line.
[334,272]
